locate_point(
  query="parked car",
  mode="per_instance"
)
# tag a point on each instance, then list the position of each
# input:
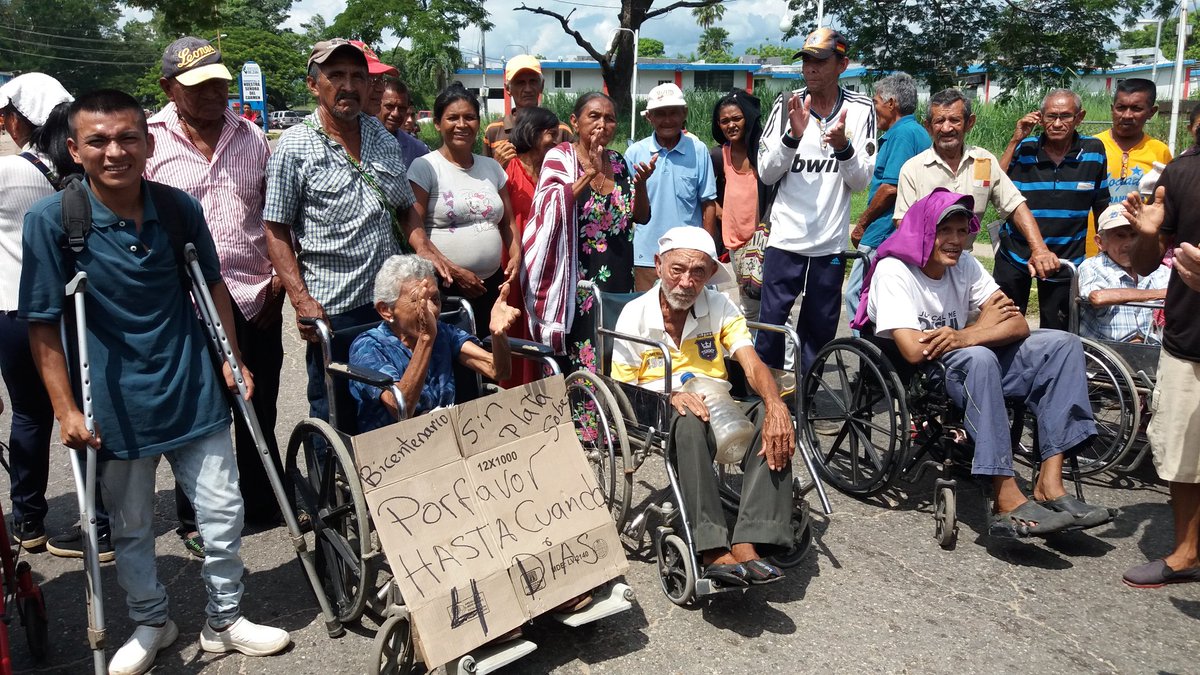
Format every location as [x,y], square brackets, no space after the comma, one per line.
[424,117]
[283,119]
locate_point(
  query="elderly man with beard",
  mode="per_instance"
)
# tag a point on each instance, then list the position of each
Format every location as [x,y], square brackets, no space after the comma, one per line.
[701,327]
[337,186]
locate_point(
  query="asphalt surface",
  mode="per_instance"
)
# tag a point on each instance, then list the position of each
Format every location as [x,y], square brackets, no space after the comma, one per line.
[876,595]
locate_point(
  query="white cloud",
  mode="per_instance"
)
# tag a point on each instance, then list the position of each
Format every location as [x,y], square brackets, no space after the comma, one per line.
[749,22]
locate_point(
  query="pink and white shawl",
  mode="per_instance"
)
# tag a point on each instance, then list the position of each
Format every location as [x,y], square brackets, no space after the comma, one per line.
[550,250]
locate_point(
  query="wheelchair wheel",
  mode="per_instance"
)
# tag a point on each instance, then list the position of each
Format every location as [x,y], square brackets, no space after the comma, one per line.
[600,426]
[394,652]
[802,539]
[1116,408]
[945,517]
[855,417]
[676,569]
[328,498]
[32,610]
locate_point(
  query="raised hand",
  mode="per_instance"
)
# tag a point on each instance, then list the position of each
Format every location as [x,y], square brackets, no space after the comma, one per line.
[798,111]
[503,314]
[1146,218]
[835,136]
[643,171]
[1026,124]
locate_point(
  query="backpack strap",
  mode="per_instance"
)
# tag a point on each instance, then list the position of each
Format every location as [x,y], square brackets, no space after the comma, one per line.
[170,218]
[76,219]
[41,166]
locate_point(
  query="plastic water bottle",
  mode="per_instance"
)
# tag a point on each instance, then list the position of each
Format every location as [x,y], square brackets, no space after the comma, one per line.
[1149,181]
[733,431]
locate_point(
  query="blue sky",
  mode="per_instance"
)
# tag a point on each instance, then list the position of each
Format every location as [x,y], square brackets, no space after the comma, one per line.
[749,22]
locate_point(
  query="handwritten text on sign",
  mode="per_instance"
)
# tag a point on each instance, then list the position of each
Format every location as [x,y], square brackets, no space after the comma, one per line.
[489,515]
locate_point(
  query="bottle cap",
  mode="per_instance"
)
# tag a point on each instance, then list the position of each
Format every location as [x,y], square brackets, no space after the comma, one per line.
[683,379]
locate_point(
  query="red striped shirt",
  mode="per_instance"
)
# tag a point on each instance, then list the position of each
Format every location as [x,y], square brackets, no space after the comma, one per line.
[231,188]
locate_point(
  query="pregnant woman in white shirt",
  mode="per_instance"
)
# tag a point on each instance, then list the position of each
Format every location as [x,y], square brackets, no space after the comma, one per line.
[462,217]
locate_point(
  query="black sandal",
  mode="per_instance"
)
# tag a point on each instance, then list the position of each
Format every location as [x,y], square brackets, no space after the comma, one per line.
[733,574]
[761,572]
[1016,523]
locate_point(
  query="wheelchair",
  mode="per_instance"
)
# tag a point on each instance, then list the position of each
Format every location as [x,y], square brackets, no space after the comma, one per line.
[322,478]
[873,418]
[621,425]
[1122,401]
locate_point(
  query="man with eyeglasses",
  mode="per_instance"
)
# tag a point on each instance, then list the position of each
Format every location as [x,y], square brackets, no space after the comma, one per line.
[1064,177]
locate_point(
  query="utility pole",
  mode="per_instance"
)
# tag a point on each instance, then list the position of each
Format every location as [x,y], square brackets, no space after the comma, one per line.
[1177,85]
[483,64]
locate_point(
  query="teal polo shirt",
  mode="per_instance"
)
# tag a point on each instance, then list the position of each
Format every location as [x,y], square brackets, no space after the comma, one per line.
[154,386]
[901,142]
[682,181]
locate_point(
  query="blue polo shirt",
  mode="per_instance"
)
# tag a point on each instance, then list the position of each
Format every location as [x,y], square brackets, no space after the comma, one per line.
[682,181]
[379,349]
[154,387]
[905,139]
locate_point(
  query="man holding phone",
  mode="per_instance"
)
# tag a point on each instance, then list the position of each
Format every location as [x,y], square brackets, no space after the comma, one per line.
[1064,177]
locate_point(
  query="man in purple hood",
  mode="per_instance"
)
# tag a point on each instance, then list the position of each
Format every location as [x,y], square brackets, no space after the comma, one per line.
[920,292]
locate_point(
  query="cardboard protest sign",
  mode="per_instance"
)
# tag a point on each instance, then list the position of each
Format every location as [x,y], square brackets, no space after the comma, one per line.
[489,515]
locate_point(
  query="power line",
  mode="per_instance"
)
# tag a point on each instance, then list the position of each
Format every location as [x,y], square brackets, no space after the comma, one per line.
[106,52]
[64,58]
[55,35]
[586,4]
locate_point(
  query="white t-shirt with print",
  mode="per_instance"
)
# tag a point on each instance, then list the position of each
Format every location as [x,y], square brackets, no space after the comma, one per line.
[464,209]
[903,297]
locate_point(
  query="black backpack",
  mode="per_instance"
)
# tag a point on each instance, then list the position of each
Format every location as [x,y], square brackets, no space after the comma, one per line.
[77,222]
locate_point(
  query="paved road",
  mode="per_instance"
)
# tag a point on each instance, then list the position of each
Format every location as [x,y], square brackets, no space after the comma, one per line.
[876,595]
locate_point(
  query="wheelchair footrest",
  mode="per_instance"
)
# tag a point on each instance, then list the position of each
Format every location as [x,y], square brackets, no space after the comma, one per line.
[710,587]
[487,659]
[618,599]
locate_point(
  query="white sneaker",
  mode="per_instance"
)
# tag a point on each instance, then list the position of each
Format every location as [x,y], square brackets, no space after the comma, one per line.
[136,656]
[246,637]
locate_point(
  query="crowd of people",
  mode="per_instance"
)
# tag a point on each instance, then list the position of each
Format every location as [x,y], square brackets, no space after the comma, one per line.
[354,221]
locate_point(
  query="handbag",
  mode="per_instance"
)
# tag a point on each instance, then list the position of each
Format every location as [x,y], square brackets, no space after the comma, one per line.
[748,262]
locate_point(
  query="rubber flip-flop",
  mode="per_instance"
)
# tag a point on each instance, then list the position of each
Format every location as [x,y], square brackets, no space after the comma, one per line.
[1086,515]
[761,572]
[729,574]
[1015,523]
[1156,574]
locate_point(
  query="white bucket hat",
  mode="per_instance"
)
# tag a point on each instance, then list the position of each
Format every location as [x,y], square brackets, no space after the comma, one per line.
[697,239]
[34,95]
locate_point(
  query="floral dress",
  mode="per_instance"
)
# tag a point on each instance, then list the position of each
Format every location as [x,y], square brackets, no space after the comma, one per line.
[605,225]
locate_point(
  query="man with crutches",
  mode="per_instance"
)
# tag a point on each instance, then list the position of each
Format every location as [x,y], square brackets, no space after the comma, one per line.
[153,390]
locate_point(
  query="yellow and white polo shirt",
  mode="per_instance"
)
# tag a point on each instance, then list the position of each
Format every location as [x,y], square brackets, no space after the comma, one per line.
[715,328]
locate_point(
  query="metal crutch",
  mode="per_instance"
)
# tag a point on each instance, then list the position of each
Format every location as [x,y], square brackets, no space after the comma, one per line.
[216,332]
[85,482]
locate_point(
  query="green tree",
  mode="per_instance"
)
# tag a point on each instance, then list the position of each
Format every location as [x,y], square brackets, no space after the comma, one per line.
[768,51]
[707,16]
[76,41]
[715,45]
[651,48]
[1025,48]
[1143,38]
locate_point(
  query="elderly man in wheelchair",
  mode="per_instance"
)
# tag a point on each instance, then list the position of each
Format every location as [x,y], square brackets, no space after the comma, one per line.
[921,291]
[700,325]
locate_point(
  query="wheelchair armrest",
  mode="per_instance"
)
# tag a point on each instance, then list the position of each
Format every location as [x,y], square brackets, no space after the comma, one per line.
[359,374]
[525,348]
[659,345]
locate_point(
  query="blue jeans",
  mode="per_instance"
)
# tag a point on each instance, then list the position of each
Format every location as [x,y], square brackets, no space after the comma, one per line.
[206,469]
[858,272]
[1046,371]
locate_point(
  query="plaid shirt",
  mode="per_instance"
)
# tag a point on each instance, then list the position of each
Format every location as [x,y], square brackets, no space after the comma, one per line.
[1117,323]
[343,230]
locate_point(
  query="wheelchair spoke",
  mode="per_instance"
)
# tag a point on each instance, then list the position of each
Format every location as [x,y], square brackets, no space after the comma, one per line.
[835,397]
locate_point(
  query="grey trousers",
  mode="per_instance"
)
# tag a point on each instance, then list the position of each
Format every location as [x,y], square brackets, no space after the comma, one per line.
[764,516]
[1046,371]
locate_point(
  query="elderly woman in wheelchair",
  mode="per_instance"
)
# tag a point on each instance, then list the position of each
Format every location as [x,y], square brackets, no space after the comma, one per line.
[417,350]
[921,291]
[700,326]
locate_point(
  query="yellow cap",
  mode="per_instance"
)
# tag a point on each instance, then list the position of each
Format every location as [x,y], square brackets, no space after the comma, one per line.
[518,63]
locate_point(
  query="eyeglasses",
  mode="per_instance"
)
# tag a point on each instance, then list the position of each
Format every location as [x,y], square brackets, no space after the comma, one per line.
[376,81]
[1065,117]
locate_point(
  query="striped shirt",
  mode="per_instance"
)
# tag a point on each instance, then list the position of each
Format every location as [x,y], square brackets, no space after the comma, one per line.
[230,188]
[1117,323]
[22,184]
[1060,196]
[343,230]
